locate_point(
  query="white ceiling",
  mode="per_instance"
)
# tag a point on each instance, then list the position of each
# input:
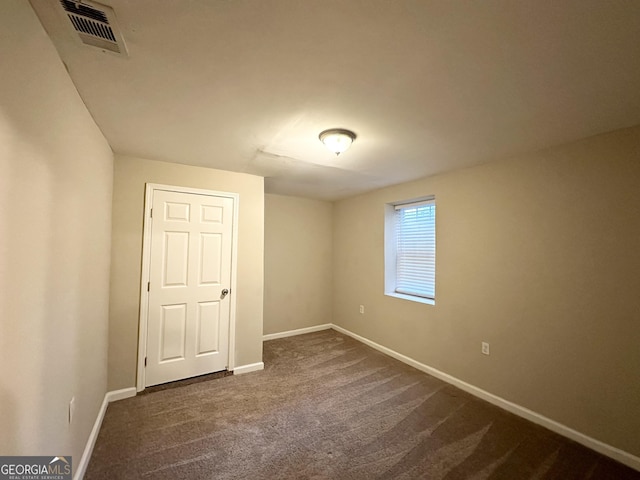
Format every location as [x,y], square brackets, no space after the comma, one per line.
[428,86]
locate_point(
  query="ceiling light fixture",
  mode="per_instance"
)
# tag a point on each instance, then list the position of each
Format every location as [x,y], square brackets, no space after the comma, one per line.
[337,139]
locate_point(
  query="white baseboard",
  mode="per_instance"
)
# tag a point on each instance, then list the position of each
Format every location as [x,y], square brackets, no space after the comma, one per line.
[121,394]
[299,331]
[589,442]
[252,367]
[109,397]
[600,447]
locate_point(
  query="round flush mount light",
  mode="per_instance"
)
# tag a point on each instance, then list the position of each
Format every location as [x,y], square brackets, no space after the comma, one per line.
[337,139]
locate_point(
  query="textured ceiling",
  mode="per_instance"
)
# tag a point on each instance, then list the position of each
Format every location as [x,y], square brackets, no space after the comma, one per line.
[428,86]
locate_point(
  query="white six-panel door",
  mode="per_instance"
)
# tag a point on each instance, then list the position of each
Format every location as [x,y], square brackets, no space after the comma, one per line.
[190,277]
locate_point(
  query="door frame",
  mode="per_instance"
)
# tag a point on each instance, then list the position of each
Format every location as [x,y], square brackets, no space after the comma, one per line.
[143,318]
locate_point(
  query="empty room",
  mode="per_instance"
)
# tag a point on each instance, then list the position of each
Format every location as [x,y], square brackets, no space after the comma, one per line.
[349,239]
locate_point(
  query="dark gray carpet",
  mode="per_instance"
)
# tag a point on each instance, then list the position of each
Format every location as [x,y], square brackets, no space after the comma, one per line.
[329,407]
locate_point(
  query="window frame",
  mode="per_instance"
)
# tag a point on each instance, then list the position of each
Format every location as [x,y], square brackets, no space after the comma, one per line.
[390,249]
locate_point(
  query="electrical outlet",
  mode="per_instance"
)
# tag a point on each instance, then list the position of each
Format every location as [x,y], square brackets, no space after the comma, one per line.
[72,408]
[485,348]
[361,308]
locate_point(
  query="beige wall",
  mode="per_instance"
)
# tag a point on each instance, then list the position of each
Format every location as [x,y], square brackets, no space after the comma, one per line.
[298,263]
[55,224]
[130,176]
[540,256]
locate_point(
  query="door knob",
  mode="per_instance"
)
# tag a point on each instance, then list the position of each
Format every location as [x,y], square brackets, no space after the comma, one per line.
[224,293]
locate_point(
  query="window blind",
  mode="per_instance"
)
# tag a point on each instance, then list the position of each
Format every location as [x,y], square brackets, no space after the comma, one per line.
[416,249]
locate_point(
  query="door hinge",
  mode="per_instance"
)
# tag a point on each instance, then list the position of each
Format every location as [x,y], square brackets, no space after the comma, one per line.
[151,213]
[145,361]
[148,286]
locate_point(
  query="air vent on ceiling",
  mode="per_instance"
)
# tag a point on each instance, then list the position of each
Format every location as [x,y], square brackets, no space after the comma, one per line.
[95,24]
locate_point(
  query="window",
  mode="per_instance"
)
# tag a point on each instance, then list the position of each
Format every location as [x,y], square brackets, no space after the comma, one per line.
[410,250]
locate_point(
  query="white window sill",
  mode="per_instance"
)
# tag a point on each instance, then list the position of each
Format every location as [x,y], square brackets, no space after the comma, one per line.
[413,298]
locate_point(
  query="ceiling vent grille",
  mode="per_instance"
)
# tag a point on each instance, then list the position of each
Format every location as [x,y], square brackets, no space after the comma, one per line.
[95,25]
